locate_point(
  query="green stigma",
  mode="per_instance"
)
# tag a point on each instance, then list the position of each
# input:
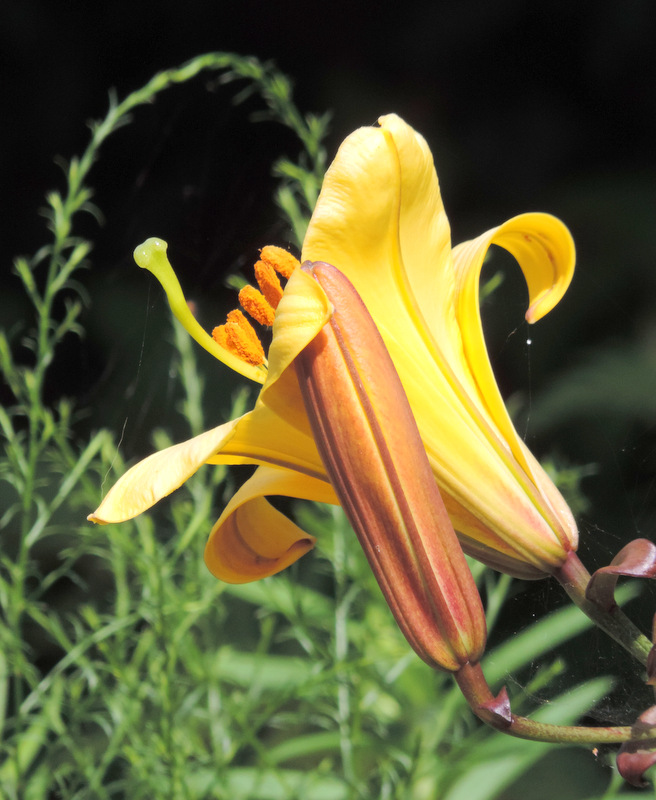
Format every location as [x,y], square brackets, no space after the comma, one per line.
[151,255]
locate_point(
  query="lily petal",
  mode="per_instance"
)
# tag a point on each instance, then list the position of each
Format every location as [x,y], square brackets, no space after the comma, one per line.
[158,475]
[544,250]
[380,220]
[252,539]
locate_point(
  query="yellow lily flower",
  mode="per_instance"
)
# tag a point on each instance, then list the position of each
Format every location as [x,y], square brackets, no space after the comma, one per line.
[380,220]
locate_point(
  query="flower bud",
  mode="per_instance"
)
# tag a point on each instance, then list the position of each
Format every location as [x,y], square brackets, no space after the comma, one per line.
[374,457]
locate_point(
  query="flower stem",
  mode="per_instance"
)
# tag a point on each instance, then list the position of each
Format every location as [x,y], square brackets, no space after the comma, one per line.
[574,578]
[495,711]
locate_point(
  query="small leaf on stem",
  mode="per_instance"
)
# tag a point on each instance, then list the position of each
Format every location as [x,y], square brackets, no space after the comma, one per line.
[636,560]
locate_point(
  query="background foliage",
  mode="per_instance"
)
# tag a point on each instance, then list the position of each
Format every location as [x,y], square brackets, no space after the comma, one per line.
[126,670]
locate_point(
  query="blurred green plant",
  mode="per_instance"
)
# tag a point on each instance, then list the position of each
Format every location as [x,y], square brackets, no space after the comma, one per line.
[127,671]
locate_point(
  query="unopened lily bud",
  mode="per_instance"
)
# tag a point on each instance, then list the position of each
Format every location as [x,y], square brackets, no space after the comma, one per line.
[374,457]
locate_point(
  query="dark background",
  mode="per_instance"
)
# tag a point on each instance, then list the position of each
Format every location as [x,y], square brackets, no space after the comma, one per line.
[527,106]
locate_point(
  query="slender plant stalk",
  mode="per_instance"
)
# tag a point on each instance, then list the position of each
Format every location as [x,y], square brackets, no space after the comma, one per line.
[574,578]
[473,685]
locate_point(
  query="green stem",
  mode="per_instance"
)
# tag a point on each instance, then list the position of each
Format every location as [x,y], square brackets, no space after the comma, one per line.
[574,578]
[342,607]
[496,713]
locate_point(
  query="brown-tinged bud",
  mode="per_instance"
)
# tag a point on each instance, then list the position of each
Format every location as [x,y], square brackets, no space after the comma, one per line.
[373,454]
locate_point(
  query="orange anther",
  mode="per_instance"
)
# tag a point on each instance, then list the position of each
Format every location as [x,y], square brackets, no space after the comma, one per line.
[220,336]
[238,336]
[242,339]
[283,262]
[255,305]
[268,282]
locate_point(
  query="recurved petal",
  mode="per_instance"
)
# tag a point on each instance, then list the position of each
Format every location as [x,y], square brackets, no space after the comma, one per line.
[252,539]
[160,474]
[544,250]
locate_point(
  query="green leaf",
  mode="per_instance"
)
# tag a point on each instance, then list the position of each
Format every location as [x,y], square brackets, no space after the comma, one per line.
[264,671]
[252,783]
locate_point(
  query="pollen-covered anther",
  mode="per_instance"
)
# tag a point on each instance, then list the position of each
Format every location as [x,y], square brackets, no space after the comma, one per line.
[268,282]
[220,336]
[282,261]
[257,305]
[238,336]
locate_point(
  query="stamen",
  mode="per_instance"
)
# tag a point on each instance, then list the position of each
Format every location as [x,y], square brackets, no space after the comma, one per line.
[238,335]
[242,339]
[268,282]
[256,305]
[283,262]
[220,336]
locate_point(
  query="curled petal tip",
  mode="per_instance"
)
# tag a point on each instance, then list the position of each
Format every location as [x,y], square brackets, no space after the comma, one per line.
[552,258]
[252,539]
